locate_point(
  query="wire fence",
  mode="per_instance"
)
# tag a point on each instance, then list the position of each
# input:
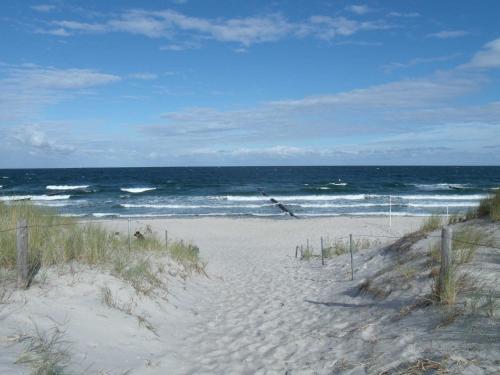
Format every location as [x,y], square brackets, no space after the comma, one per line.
[351,242]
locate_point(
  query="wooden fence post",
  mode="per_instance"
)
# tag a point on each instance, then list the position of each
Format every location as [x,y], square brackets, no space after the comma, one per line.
[22,253]
[166,239]
[322,254]
[352,264]
[446,271]
[296,250]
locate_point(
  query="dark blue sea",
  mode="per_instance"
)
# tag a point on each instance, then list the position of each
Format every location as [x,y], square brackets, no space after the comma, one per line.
[237,191]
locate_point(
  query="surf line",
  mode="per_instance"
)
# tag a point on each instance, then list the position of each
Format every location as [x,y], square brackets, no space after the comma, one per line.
[278,204]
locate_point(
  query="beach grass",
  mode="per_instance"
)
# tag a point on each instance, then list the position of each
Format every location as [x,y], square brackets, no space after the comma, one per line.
[490,207]
[54,240]
[432,223]
[45,352]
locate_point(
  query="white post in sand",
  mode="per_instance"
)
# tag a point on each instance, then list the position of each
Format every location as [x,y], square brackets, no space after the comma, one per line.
[390,211]
[166,240]
[447,214]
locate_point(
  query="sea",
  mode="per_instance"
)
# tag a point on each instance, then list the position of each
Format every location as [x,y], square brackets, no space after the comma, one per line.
[251,191]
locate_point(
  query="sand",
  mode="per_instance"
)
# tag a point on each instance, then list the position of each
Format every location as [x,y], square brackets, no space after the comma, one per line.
[259,311]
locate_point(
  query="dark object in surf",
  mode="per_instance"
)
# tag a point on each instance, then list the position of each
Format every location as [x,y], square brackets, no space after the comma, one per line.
[139,236]
[278,204]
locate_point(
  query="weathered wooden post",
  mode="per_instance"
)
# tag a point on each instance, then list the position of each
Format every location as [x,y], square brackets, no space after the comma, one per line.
[22,253]
[322,254]
[446,282]
[166,239]
[352,263]
[296,250]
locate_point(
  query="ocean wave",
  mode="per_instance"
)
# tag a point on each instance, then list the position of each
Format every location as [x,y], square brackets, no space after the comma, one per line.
[334,205]
[287,198]
[442,186]
[338,183]
[104,214]
[35,197]
[443,204]
[187,206]
[66,187]
[137,190]
[371,213]
[465,197]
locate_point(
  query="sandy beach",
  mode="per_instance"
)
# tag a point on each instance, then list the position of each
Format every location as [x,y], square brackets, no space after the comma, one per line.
[258,310]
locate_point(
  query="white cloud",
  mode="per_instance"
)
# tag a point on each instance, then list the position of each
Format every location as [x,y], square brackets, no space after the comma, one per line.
[44,8]
[448,34]
[488,57]
[376,110]
[327,28]
[28,88]
[144,76]
[243,30]
[180,46]
[36,140]
[56,32]
[404,15]
[359,9]
[417,61]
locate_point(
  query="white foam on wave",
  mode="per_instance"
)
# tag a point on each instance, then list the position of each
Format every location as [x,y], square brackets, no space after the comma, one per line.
[187,206]
[375,213]
[104,214]
[287,198]
[443,204]
[338,183]
[66,187]
[442,186]
[334,205]
[442,197]
[35,197]
[137,190]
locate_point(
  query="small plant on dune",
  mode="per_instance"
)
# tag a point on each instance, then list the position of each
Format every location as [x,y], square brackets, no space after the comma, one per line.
[188,255]
[342,247]
[431,224]
[465,243]
[139,273]
[46,353]
[484,303]
[307,254]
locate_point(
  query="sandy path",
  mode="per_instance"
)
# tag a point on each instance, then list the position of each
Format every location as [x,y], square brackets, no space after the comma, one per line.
[262,310]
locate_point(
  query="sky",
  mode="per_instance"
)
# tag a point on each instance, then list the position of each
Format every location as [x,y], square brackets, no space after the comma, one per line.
[214,83]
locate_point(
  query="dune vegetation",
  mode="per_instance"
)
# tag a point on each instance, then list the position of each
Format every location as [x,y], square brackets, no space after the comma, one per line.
[55,240]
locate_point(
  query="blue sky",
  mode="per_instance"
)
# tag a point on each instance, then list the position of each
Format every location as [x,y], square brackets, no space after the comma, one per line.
[205,82]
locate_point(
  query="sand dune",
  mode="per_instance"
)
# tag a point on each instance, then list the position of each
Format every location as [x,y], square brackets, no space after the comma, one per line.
[260,310]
